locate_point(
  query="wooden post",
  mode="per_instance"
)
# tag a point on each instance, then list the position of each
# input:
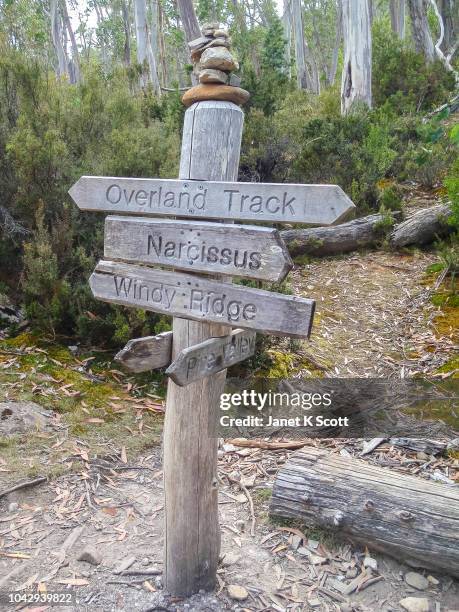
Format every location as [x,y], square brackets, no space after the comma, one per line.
[210,151]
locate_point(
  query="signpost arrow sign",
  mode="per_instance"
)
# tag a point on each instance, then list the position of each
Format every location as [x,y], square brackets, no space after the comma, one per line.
[192,297]
[211,356]
[236,250]
[275,202]
[148,353]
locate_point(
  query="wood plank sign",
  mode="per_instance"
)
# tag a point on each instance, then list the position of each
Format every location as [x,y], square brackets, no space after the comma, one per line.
[275,202]
[236,250]
[211,356]
[144,354]
[192,297]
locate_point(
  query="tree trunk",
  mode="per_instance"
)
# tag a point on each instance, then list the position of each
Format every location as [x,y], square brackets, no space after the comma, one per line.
[356,78]
[144,50]
[56,33]
[420,29]
[188,19]
[412,519]
[449,10]
[423,227]
[73,42]
[397,17]
[300,54]
[127,33]
[343,238]
[287,23]
[331,76]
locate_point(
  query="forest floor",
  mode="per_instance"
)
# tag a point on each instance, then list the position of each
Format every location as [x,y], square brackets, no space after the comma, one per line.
[379,314]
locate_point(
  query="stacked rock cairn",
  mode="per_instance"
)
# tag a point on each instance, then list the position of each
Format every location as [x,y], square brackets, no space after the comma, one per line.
[214,63]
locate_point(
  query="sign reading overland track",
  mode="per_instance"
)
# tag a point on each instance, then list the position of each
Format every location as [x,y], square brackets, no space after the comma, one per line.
[241,250]
[212,356]
[275,202]
[193,297]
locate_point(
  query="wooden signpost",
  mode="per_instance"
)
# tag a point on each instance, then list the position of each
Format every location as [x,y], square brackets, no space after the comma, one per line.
[144,354]
[198,198]
[200,299]
[211,356]
[204,309]
[236,250]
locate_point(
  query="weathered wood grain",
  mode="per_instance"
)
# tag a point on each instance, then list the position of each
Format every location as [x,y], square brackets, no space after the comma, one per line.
[144,354]
[414,520]
[236,250]
[423,227]
[198,198]
[211,356]
[211,144]
[200,299]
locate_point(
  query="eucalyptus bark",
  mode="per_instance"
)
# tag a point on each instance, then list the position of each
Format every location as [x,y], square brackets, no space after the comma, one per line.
[397,17]
[73,42]
[127,33]
[302,77]
[331,74]
[144,51]
[420,29]
[189,20]
[287,24]
[449,10]
[356,77]
[57,37]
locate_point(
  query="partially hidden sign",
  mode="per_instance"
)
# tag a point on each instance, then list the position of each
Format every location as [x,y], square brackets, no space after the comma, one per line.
[147,353]
[212,356]
[201,299]
[275,202]
[236,250]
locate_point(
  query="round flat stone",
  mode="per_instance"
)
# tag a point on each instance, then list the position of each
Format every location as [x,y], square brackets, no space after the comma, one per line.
[219,58]
[207,91]
[211,75]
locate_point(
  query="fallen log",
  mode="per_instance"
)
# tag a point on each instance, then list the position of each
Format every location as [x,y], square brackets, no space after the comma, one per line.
[423,227]
[343,238]
[414,520]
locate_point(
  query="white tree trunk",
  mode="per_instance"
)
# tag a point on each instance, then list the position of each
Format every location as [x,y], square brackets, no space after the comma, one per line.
[397,17]
[445,60]
[300,54]
[287,23]
[73,42]
[144,50]
[356,78]
[331,75]
[420,29]
[449,10]
[127,33]
[56,33]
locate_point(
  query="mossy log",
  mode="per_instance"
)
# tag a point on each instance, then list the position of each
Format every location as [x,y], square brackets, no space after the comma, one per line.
[412,519]
[336,239]
[423,227]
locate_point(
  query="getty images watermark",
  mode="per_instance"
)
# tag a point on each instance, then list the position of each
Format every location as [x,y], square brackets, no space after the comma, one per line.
[258,406]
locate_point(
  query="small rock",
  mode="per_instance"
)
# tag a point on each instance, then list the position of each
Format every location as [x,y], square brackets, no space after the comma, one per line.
[240,524]
[90,555]
[314,603]
[73,349]
[313,544]
[371,563]
[145,561]
[317,560]
[210,75]
[433,581]
[417,581]
[221,34]
[345,608]
[199,43]
[422,456]
[13,507]
[415,604]
[303,551]
[237,592]
[235,81]
[219,58]
[230,559]
[296,542]
[216,92]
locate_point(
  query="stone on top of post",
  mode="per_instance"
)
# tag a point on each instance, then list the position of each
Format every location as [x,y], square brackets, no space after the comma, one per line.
[213,63]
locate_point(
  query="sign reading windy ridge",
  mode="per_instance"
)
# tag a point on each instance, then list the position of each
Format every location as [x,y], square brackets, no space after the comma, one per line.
[236,250]
[193,297]
[275,202]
